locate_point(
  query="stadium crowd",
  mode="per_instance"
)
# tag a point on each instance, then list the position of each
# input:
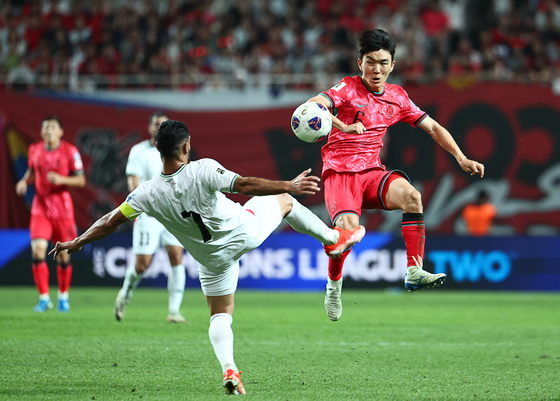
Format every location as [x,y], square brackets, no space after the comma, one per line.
[184,44]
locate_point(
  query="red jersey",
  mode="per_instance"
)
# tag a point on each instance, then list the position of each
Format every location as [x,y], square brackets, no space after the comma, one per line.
[351,101]
[53,201]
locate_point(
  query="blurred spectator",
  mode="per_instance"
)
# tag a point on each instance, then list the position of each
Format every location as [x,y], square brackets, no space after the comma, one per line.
[478,216]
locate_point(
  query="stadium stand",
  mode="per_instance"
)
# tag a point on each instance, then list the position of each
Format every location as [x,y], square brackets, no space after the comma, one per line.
[87,45]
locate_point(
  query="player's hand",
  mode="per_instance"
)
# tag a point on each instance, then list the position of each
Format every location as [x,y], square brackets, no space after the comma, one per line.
[54,178]
[21,188]
[357,128]
[473,167]
[69,247]
[305,185]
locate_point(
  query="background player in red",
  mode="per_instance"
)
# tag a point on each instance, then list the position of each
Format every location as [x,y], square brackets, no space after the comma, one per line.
[53,165]
[363,108]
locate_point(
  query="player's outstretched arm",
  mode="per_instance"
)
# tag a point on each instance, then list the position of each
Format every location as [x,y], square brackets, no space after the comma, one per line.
[357,128]
[76,181]
[103,227]
[28,178]
[303,184]
[446,141]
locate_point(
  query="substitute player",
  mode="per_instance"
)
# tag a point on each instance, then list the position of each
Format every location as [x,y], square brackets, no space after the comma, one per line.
[187,199]
[148,234]
[53,165]
[363,108]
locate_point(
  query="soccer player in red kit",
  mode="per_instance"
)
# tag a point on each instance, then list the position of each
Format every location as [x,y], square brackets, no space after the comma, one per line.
[53,165]
[363,108]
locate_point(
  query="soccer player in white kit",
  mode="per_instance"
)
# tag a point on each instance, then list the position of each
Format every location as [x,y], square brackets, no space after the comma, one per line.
[187,199]
[148,234]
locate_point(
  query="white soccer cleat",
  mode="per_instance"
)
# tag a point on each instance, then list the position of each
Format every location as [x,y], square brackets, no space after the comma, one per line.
[333,302]
[120,306]
[176,318]
[417,278]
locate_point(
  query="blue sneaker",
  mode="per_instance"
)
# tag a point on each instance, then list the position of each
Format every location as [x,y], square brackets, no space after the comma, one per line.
[43,305]
[63,306]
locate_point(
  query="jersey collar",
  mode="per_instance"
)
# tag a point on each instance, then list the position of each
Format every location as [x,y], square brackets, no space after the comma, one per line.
[173,174]
[372,92]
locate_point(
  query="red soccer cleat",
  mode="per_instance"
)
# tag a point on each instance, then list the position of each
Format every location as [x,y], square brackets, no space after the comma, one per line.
[346,240]
[232,383]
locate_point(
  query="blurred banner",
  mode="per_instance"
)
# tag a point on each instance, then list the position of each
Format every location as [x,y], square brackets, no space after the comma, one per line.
[512,129]
[292,261]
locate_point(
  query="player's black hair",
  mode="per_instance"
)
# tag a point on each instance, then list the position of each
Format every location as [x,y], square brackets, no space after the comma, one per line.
[482,197]
[157,114]
[376,39]
[53,118]
[169,138]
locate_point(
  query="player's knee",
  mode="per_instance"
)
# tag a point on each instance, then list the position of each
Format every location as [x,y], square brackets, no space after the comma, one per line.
[286,203]
[414,202]
[38,252]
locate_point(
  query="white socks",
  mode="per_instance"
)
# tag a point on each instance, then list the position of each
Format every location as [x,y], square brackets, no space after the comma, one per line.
[131,281]
[176,287]
[305,221]
[221,337]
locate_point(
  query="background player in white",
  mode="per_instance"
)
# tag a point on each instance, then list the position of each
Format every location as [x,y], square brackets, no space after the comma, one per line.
[187,198]
[144,163]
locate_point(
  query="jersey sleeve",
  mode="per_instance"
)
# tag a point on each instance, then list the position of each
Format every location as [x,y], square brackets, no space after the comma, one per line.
[216,178]
[134,164]
[410,113]
[31,157]
[131,208]
[338,94]
[76,164]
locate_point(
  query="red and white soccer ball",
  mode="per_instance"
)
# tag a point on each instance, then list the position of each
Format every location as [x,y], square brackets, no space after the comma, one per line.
[311,122]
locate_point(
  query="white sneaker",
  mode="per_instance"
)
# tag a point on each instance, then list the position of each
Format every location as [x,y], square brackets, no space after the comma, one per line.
[176,318]
[120,306]
[417,278]
[333,303]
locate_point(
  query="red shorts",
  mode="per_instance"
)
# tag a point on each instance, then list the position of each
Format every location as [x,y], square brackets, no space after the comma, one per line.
[52,230]
[351,192]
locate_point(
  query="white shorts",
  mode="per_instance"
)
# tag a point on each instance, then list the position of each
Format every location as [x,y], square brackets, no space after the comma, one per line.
[148,235]
[263,216]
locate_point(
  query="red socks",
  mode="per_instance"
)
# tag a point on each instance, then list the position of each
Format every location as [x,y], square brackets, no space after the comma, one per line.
[64,275]
[41,276]
[414,234]
[335,266]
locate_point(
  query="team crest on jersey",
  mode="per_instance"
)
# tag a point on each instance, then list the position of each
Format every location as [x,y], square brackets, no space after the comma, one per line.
[339,86]
[219,170]
[389,111]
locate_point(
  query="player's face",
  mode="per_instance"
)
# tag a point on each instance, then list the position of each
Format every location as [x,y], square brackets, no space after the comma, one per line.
[376,67]
[51,133]
[154,125]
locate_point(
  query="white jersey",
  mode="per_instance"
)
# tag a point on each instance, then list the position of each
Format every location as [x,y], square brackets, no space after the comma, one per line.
[191,205]
[144,161]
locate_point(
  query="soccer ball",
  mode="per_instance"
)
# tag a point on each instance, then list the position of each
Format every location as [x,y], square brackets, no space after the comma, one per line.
[311,122]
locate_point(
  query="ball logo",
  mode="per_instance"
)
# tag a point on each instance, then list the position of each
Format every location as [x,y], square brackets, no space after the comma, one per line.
[295,123]
[304,112]
[315,123]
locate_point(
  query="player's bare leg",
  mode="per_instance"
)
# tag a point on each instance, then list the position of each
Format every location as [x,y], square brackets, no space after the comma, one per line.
[132,278]
[176,284]
[221,337]
[41,274]
[402,195]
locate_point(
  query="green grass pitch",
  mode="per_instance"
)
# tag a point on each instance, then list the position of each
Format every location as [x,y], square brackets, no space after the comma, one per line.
[432,345]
